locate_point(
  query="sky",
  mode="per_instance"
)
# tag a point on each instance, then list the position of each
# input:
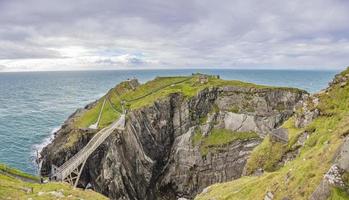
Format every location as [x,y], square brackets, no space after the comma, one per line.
[44,35]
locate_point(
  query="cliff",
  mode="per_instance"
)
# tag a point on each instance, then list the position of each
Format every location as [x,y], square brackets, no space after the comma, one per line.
[313,164]
[182,134]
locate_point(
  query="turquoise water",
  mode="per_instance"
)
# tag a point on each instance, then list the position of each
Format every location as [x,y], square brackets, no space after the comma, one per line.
[33,105]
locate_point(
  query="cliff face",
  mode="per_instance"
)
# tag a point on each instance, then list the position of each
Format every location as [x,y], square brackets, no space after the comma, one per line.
[169,148]
[312,164]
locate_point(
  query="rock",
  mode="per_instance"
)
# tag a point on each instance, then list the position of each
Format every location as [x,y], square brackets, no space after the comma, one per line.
[239,122]
[27,189]
[340,79]
[322,192]
[57,194]
[205,190]
[295,149]
[205,129]
[279,135]
[41,193]
[302,138]
[334,176]
[156,158]
[269,196]
[258,172]
[307,115]
[342,159]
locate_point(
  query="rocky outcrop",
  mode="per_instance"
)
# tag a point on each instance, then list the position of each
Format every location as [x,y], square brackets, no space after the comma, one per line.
[156,158]
[335,175]
[308,111]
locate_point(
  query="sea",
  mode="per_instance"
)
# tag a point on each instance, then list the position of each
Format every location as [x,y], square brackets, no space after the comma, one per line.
[33,105]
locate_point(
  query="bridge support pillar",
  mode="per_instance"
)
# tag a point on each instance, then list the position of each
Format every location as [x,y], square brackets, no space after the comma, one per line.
[74,177]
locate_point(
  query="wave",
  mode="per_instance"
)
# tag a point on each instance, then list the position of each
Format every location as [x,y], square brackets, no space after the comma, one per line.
[37,148]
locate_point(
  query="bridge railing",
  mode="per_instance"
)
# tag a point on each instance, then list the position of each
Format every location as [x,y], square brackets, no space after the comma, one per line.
[74,162]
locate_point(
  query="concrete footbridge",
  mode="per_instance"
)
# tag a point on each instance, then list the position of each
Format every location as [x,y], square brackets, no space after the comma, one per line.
[71,170]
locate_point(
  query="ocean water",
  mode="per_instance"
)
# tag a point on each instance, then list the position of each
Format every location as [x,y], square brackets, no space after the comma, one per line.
[34,104]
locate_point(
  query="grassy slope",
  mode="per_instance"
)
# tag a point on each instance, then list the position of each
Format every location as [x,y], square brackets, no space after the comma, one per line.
[14,188]
[151,91]
[14,172]
[269,152]
[189,86]
[160,88]
[298,178]
[219,138]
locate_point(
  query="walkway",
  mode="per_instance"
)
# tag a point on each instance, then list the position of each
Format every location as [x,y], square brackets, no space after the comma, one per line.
[70,171]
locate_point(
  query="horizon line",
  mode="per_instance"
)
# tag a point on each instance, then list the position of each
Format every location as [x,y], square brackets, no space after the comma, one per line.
[173,69]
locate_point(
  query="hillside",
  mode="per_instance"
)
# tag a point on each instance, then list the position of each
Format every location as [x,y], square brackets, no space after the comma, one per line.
[181,135]
[313,164]
[15,184]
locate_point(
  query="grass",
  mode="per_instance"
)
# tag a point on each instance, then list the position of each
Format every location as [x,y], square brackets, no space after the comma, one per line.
[338,194]
[15,172]
[157,89]
[269,153]
[12,188]
[154,90]
[298,178]
[234,109]
[219,138]
[265,156]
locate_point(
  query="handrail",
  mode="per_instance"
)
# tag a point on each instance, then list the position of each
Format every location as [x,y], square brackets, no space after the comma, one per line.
[69,166]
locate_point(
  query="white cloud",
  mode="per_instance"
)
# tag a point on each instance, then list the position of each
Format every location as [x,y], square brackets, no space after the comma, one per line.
[52,35]
[2,67]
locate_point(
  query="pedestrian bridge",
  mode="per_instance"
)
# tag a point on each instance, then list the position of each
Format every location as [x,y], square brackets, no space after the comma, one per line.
[71,170]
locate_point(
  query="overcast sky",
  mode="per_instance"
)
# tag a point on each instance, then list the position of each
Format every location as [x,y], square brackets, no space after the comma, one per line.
[133,34]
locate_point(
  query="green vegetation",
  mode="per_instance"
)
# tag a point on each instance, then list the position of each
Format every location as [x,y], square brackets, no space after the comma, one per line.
[219,138]
[280,106]
[298,178]
[91,116]
[234,109]
[268,154]
[13,187]
[203,120]
[74,136]
[338,194]
[265,156]
[154,90]
[197,137]
[16,173]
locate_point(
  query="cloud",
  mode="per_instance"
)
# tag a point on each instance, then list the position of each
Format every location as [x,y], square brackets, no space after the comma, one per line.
[2,67]
[126,60]
[84,34]
[9,50]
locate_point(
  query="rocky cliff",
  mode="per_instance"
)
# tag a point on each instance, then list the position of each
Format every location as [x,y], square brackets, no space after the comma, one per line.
[312,164]
[180,141]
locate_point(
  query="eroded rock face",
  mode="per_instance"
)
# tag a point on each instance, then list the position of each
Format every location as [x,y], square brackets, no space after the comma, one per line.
[334,176]
[308,111]
[155,158]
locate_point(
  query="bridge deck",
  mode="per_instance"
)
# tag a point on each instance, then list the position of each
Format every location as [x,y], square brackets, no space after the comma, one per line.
[74,162]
